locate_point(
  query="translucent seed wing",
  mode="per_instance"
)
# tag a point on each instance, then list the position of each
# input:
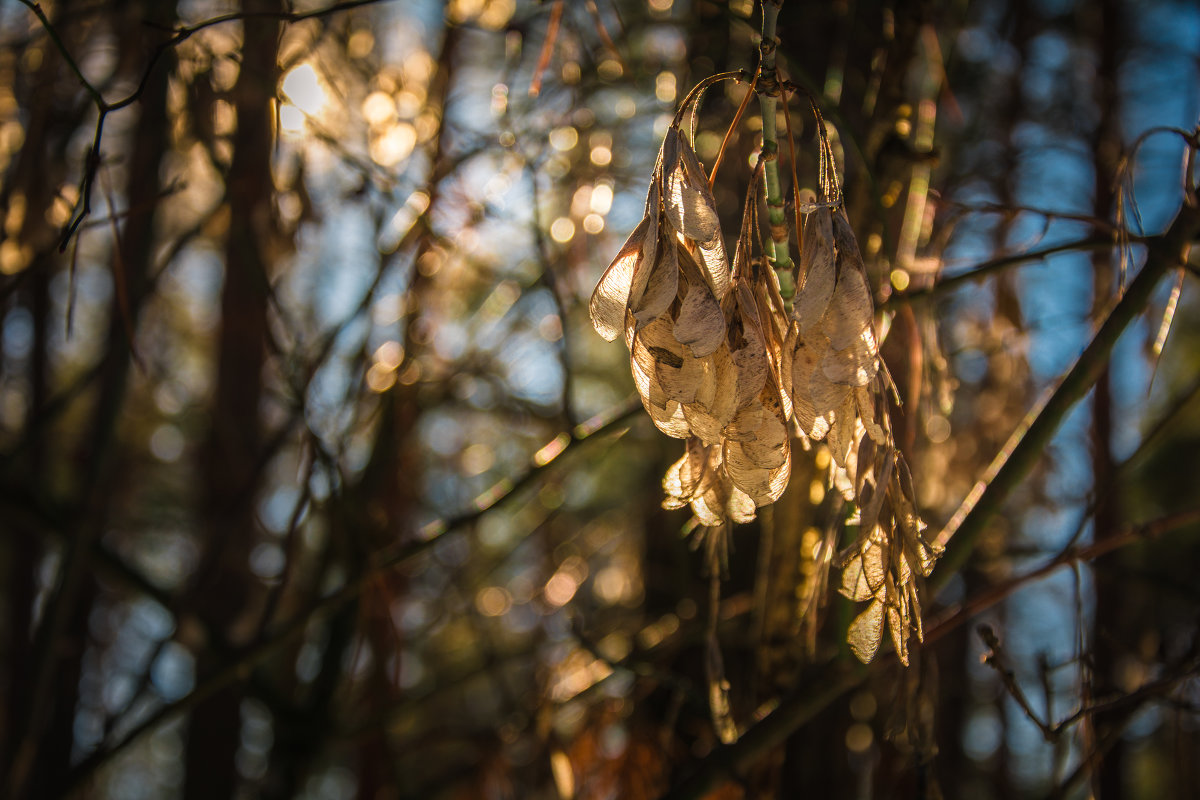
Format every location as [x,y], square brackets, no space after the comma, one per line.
[611,295]
[866,632]
[817,259]
[700,324]
[690,206]
[660,289]
[715,262]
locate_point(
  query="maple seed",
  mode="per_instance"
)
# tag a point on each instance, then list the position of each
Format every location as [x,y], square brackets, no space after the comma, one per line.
[719,362]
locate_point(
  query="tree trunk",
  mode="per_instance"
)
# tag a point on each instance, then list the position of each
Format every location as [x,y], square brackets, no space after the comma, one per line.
[231,468]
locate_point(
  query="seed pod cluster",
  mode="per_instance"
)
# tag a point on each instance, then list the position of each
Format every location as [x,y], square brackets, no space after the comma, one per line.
[720,362]
[698,335]
[838,391]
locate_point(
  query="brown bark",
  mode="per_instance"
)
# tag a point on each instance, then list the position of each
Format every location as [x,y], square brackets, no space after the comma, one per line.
[231,455]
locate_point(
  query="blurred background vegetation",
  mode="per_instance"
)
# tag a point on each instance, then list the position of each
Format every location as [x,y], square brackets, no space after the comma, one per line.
[315,481]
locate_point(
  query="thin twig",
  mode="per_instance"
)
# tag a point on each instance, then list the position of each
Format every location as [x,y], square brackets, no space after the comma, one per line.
[535,85]
[104,107]
[954,617]
[737,118]
[994,265]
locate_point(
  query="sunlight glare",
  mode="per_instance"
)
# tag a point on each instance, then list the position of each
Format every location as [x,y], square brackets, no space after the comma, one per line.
[378,108]
[394,145]
[304,91]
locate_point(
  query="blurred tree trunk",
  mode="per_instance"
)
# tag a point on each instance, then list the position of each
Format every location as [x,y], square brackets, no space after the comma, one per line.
[46,682]
[231,459]
[33,179]
[1111,633]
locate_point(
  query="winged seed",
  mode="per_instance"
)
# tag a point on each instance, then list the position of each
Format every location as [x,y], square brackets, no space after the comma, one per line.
[689,202]
[611,294]
[817,260]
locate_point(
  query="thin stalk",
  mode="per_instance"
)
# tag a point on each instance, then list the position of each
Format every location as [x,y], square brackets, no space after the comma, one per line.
[712,178]
[694,95]
[787,120]
[768,98]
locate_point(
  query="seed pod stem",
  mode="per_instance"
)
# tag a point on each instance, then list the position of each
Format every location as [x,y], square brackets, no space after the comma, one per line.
[768,98]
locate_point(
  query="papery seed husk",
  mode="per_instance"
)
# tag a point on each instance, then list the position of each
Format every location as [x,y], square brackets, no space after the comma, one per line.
[715,263]
[757,449]
[752,368]
[690,206]
[660,289]
[643,364]
[675,371]
[850,308]
[844,240]
[715,403]
[814,396]
[611,295]
[702,424]
[866,410]
[713,393]
[856,365]
[858,581]
[700,324]
[848,315]
[841,432]
[771,319]
[819,263]
[649,246]
[712,495]
[709,508]
[668,154]
[670,420]
[678,483]
[684,476]
[740,506]
[866,632]
[786,355]
[898,625]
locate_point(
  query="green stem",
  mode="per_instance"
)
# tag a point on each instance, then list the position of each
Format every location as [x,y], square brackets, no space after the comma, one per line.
[768,97]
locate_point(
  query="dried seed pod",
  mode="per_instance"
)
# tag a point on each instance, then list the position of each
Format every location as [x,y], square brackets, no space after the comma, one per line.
[700,323]
[714,403]
[757,448]
[699,479]
[715,264]
[650,241]
[818,263]
[661,285]
[610,298]
[690,206]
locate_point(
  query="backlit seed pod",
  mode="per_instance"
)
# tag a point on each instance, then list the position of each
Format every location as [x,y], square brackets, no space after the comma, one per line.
[720,363]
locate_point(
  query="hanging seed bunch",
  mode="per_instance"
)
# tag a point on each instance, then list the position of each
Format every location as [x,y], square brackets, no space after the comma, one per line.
[720,361]
[839,394]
